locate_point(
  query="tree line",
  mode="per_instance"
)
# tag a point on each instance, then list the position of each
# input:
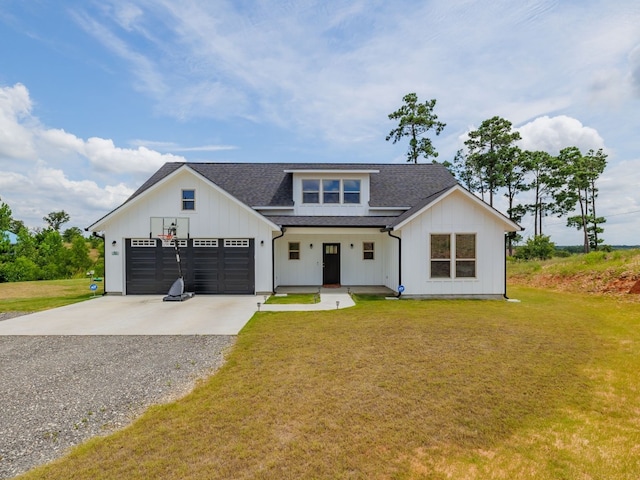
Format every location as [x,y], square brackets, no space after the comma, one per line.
[491,162]
[46,253]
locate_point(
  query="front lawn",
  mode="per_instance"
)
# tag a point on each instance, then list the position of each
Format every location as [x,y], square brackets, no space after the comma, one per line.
[542,389]
[45,294]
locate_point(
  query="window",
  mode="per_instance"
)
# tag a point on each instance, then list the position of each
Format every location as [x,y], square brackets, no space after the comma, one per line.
[236,242]
[331,191]
[310,191]
[188,199]
[294,250]
[465,255]
[351,191]
[440,256]
[367,250]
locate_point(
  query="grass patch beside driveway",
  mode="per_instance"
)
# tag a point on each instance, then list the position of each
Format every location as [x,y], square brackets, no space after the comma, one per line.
[541,389]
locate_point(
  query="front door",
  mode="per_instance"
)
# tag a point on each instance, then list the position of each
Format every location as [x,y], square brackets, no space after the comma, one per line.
[331,263]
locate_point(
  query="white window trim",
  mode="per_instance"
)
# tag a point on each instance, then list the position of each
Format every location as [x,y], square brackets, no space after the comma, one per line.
[452,257]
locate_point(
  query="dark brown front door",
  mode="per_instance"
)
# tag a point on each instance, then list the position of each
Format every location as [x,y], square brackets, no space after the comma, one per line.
[331,263]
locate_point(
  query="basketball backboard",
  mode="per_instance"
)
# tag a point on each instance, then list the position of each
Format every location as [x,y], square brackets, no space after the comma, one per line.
[166,226]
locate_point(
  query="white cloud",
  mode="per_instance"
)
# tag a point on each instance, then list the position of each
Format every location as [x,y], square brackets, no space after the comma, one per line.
[105,156]
[16,137]
[52,179]
[553,134]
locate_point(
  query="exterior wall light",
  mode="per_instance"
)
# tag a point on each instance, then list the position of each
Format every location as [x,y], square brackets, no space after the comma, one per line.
[114,243]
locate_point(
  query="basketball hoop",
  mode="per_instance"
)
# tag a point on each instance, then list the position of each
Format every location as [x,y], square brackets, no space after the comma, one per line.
[166,237]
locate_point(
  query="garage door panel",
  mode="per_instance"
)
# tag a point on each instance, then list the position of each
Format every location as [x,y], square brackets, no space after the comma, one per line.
[205,270]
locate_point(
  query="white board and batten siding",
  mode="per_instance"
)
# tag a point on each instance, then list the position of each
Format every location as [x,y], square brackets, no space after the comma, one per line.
[455,214]
[216,215]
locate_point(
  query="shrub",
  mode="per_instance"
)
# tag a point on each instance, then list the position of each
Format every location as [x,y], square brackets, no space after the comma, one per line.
[539,247]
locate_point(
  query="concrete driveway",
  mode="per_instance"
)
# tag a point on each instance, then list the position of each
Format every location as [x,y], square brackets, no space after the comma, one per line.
[140,315]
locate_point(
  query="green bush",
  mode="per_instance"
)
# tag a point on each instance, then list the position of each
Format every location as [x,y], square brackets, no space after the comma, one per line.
[539,247]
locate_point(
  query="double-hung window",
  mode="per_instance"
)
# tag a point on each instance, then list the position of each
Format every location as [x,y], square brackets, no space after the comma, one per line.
[440,256]
[351,192]
[310,191]
[330,191]
[294,250]
[465,255]
[188,199]
[368,250]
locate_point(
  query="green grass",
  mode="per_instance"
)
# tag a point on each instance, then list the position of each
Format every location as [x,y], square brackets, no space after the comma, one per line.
[542,389]
[42,295]
[293,298]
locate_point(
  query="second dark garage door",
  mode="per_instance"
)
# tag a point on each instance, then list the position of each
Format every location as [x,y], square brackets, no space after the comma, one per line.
[209,266]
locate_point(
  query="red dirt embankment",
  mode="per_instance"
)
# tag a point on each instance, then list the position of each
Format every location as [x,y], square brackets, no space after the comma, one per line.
[607,282]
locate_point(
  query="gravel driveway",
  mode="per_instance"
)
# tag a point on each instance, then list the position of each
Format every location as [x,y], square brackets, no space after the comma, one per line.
[57,391]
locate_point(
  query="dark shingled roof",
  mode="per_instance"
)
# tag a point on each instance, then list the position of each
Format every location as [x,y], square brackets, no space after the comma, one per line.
[268,185]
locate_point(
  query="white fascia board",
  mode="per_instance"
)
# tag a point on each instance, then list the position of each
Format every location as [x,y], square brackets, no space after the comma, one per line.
[331,171]
[510,225]
[273,208]
[389,208]
[127,205]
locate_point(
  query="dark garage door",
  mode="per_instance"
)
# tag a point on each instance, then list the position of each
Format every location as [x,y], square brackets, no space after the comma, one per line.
[209,266]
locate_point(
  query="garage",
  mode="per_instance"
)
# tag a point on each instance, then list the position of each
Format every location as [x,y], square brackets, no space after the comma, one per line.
[209,265]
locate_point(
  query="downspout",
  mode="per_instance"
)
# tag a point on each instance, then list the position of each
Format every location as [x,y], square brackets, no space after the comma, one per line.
[273,259]
[104,275]
[388,230]
[505,266]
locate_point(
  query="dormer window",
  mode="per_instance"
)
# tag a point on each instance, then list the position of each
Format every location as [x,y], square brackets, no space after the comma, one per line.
[351,191]
[331,191]
[310,191]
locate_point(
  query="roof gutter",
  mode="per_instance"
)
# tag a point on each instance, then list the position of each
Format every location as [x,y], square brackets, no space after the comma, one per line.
[388,230]
[273,259]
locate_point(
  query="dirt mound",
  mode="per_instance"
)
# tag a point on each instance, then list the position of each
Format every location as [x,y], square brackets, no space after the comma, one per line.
[601,283]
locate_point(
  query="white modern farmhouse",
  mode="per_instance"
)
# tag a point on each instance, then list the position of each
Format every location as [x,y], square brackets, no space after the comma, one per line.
[250,228]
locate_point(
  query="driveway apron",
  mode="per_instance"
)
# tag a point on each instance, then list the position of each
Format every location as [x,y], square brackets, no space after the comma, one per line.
[139,315]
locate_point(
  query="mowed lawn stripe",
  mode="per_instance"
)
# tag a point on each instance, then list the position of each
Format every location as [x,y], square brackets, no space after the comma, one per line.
[404,389]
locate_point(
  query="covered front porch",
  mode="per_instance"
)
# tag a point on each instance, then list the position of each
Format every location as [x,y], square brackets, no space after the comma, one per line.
[353,258]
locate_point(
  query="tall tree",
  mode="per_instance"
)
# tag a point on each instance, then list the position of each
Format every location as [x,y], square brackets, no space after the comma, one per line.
[55,220]
[579,191]
[462,170]
[514,174]
[541,167]
[489,150]
[415,120]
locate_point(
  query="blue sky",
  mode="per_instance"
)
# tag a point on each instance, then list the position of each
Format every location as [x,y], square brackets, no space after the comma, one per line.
[96,95]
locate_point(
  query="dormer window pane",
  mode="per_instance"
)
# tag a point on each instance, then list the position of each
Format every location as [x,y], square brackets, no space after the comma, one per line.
[310,191]
[351,191]
[331,191]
